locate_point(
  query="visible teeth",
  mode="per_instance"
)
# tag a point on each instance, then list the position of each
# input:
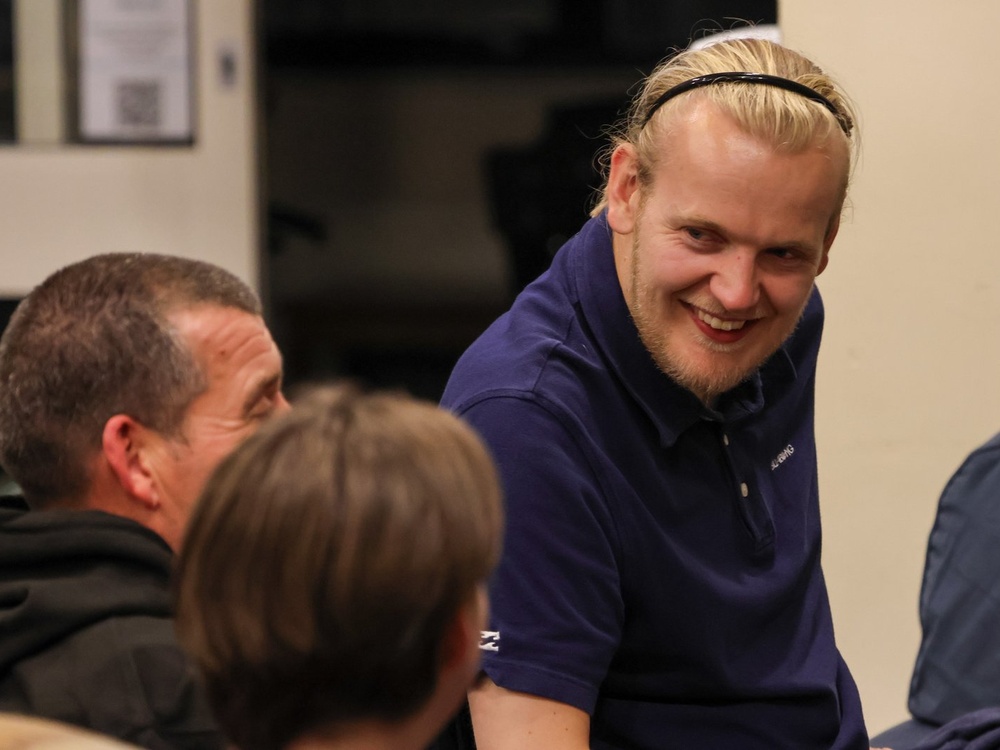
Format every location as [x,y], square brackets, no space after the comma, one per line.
[720,325]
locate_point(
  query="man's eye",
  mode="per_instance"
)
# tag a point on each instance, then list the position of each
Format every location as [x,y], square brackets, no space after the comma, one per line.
[262,410]
[696,234]
[787,254]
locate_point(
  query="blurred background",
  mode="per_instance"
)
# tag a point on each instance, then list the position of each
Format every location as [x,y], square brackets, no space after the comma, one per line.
[425,160]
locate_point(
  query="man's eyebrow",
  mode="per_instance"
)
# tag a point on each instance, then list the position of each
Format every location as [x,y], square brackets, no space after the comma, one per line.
[703,223]
[699,221]
[272,383]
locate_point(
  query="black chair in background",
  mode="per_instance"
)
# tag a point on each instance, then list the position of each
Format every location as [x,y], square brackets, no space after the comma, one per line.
[540,195]
[957,670]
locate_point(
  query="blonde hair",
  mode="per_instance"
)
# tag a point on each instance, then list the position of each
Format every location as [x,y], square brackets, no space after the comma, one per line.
[326,558]
[785,119]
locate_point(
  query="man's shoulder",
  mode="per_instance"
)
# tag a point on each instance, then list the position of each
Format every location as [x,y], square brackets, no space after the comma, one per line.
[94,651]
[513,354]
[74,540]
[66,575]
[125,676]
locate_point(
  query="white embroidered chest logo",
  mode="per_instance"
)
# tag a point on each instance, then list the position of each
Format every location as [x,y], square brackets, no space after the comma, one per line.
[785,454]
[489,640]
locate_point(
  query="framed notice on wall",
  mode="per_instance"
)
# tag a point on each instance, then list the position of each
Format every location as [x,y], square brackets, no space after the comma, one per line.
[134,71]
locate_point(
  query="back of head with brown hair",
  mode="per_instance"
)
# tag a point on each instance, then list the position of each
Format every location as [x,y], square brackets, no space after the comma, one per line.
[326,558]
[92,341]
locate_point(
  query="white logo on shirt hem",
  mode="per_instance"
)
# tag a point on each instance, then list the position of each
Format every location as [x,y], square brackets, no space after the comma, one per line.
[489,640]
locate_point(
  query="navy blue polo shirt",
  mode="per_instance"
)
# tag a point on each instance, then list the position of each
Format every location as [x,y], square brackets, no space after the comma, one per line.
[661,565]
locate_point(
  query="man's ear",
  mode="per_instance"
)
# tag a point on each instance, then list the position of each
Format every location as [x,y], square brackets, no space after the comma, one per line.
[125,443]
[623,189]
[831,235]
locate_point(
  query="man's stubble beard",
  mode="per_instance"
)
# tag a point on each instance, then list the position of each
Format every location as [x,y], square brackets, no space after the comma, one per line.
[644,305]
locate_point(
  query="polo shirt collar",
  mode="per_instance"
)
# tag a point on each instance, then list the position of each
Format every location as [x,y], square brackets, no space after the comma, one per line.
[672,408]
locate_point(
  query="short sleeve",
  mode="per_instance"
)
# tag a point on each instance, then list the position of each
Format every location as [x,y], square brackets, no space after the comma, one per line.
[556,606]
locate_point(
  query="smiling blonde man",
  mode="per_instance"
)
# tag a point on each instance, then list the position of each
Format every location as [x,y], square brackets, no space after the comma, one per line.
[649,401]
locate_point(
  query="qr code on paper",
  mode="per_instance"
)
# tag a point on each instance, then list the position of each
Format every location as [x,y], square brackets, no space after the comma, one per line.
[138,103]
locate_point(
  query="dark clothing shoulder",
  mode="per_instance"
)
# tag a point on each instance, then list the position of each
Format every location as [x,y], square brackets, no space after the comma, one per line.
[86,634]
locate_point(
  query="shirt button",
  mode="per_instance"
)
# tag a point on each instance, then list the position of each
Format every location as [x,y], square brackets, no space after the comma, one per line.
[725,439]
[744,490]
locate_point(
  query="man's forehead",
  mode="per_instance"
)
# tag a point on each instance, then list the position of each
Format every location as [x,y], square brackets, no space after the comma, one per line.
[219,336]
[203,320]
[705,145]
[695,120]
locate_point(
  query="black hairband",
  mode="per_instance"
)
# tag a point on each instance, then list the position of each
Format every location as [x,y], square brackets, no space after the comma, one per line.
[759,78]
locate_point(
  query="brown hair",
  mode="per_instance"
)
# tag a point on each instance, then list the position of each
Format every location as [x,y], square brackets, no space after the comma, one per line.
[326,558]
[93,341]
[787,120]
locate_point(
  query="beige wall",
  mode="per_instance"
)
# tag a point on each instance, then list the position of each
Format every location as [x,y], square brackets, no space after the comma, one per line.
[60,203]
[910,358]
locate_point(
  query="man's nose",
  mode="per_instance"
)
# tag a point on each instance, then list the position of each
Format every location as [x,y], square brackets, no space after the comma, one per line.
[735,284]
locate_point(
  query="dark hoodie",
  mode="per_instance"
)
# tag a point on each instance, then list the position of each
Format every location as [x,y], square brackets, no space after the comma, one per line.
[86,635]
